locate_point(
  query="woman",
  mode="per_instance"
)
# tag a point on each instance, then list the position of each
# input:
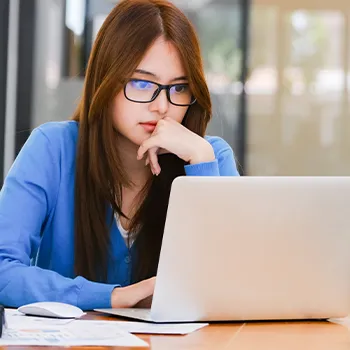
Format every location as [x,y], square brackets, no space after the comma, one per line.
[83,207]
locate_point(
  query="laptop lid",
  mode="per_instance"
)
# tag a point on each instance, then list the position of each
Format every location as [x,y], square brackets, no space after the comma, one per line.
[255,248]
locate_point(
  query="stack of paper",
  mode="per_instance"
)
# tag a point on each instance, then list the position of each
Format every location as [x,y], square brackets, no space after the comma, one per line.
[41,331]
[25,330]
[152,328]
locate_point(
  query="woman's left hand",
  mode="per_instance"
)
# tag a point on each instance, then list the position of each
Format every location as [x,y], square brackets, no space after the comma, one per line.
[170,136]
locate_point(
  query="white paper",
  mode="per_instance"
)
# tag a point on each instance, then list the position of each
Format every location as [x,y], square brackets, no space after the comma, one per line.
[24,330]
[16,319]
[160,328]
[342,321]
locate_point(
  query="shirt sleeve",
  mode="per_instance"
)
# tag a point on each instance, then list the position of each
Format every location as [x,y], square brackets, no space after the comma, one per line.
[26,200]
[223,165]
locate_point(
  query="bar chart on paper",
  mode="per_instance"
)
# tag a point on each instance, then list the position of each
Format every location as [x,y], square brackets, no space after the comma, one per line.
[24,330]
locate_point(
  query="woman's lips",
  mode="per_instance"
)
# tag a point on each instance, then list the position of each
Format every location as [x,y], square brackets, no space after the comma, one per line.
[149,126]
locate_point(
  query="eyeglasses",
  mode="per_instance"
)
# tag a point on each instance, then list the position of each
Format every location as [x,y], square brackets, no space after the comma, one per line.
[144,91]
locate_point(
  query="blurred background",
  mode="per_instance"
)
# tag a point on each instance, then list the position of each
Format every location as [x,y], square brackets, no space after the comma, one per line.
[278,73]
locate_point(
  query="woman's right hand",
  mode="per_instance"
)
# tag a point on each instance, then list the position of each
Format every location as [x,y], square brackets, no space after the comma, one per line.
[125,297]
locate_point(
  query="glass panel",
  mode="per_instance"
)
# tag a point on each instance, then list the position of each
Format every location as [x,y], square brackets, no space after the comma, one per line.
[218,26]
[74,38]
[298,121]
[54,98]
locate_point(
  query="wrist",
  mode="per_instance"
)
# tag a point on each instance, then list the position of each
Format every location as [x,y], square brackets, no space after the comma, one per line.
[120,298]
[202,154]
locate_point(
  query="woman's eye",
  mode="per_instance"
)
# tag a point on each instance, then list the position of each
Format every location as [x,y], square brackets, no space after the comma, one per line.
[180,88]
[141,85]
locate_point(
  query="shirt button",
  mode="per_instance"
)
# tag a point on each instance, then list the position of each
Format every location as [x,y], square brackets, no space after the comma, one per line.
[127,260]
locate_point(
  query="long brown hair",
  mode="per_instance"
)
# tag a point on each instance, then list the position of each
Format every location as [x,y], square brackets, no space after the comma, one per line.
[125,36]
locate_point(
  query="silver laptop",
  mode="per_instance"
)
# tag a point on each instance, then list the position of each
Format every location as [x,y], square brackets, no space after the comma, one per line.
[253,248]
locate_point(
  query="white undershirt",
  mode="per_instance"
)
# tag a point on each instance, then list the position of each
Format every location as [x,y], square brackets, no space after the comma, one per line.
[124,233]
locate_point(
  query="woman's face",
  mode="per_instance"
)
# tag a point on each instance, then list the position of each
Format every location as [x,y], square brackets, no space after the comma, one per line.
[161,64]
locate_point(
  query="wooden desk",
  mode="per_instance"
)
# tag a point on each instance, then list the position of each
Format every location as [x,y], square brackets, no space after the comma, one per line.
[313,335]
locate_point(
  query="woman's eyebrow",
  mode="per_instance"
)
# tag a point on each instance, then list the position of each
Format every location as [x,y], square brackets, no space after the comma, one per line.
[145,72]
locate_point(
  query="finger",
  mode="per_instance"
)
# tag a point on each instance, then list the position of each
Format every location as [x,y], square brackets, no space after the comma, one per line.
[168,119]
[147,162]
[162,151]
[172,121]
[153,159]
[153,141]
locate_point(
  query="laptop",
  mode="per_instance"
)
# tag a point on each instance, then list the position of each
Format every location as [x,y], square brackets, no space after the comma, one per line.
[253,248]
